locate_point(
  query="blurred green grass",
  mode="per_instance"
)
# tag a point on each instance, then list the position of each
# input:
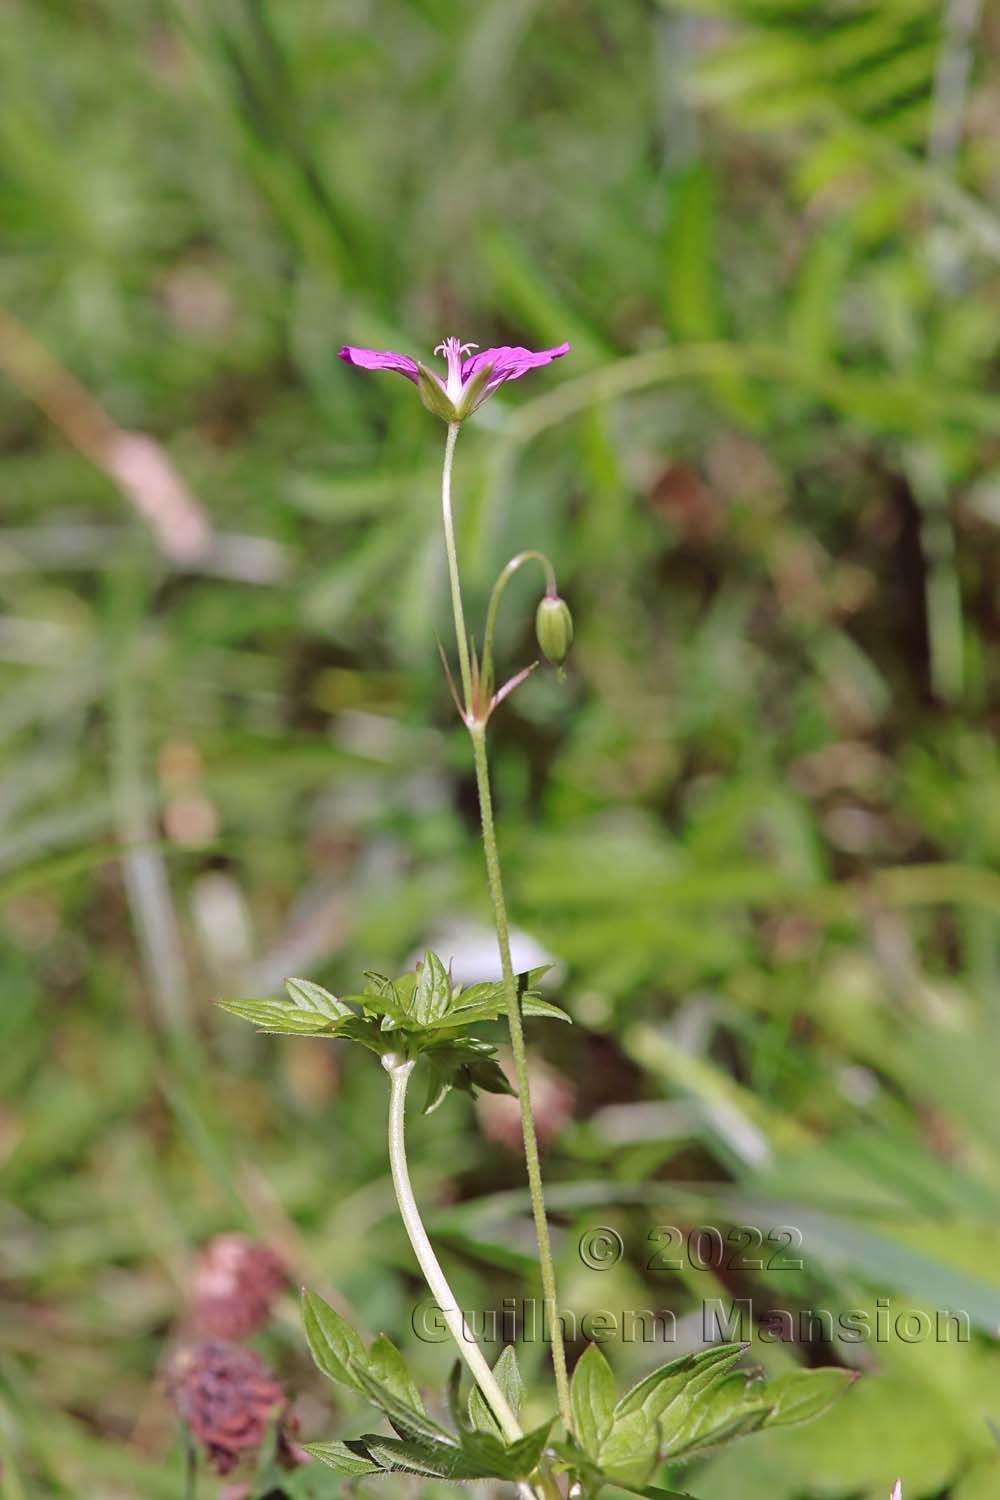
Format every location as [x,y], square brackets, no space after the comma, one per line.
[758,827]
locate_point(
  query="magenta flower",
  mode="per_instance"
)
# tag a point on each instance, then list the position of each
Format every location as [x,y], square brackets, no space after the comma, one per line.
[471,378]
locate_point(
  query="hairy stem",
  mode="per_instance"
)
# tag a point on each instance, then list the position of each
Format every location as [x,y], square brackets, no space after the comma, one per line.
[477,731]
[534,1166]
[399,1074]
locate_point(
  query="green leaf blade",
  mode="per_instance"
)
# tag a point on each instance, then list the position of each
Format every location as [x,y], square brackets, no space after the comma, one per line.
[508,1378]
[279,1018]
[682,1380]
[430,1460]
[346,1458]
[629,1453]
[592,1400]
[306,995]
[803,1395]
[524,1454]
[411,1422]
[335,1346]
[431,999]
[388,1366]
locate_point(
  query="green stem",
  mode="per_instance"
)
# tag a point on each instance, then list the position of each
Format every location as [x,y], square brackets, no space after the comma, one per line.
[449,542]
[545,1261]
[399,1071]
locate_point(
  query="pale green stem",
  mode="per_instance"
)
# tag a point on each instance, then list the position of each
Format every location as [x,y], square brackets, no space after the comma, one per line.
[545,1261]
[449,541]
[399,1073]
[477,731]
[491,614]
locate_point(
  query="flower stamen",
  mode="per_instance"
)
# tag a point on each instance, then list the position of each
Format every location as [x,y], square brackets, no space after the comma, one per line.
[452,351]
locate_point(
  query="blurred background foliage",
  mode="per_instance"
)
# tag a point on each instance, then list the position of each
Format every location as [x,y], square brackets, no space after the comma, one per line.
[758,827]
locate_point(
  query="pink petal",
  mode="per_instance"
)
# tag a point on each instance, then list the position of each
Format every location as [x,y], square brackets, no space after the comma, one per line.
[511,361]
[385,359]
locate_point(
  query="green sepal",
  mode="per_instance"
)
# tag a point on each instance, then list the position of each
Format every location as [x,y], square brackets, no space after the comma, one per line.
[472,395]
[434,397]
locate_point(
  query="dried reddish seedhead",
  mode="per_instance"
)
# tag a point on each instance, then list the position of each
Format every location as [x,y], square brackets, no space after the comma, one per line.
[235,1286]
[226,1396]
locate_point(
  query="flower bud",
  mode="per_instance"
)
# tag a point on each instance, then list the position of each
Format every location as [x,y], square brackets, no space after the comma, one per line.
[554,629]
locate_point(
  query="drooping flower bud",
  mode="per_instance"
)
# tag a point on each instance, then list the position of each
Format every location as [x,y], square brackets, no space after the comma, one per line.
[554,628]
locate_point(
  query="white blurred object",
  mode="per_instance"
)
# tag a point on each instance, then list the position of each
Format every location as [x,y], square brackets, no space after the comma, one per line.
[471,950]
[223,921]
[146,474]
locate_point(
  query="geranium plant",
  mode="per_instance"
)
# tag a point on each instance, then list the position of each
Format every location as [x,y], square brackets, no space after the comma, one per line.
[423,1024]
